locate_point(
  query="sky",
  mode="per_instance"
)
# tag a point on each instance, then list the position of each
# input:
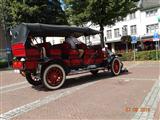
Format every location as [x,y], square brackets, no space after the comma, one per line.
[62,4]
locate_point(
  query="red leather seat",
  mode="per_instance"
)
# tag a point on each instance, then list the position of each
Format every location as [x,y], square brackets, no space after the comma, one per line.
[70,56]
[71,53]
[73,57]
[99,56]
[89,56]
[55,53]
[65,45]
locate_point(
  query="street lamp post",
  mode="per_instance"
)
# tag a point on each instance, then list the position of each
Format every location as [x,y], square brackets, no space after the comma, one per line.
[158,33]
[158,30]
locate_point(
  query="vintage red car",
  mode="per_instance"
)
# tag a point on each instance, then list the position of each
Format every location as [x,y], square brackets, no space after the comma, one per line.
[48,64]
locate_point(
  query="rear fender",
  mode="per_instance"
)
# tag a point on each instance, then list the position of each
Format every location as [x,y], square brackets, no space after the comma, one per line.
[49,62]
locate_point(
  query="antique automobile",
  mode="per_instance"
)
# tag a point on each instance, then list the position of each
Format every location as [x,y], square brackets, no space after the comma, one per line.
[48,64]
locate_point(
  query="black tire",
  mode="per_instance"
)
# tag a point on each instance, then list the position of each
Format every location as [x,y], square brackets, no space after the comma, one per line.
[32,79]
[116,66]
[54,76]
[94,72]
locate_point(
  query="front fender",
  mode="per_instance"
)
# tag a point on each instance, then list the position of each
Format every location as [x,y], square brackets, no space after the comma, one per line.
[110,59]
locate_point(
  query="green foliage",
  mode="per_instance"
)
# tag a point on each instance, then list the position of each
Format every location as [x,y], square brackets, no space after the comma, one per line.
[126,39]
[140,56]
[32,11]
[99,12]
[76,11]
[5,16]
[3,63]
[105,12]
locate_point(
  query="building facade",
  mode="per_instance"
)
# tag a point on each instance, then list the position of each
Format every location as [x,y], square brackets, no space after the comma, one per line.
[142,24]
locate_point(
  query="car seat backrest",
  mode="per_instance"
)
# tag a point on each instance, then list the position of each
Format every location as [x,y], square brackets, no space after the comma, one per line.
[81,46]
[89,53]
[65,45]
[46,45]
[57,46]
[55,53]
[70,53]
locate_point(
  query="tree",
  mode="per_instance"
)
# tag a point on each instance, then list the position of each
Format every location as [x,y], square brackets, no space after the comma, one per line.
[5,18]
[76,11]
[126,39]
[14,12]
[47,11]
[33,11]
[99,12]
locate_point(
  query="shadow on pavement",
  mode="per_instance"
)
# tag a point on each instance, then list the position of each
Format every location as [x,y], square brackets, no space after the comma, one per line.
[72,82]
[88,78]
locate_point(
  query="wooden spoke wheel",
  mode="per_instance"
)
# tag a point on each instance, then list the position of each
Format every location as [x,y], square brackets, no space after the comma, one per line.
[54,76]
[115,66]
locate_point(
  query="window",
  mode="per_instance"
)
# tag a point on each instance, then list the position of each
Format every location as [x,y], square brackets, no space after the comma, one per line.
[109,34]
[133,30]
[152,12]
[125,18]
[124,30]
[110,26]
[116,33]
[37,40]
[132,16]
[152,28]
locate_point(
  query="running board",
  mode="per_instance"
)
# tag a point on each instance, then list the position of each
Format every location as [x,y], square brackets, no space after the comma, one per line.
[75,72]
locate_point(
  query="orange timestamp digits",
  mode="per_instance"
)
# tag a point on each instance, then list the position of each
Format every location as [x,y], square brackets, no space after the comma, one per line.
[137,109]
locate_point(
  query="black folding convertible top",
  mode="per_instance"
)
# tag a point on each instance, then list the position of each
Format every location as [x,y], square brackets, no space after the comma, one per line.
[21,32]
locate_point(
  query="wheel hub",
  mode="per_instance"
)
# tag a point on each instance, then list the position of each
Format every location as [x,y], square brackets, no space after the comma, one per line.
[54,76]
[116,66]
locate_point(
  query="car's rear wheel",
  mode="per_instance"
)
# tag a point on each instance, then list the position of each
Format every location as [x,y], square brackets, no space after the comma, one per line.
[32,79]
[115,66]
[54,76]
[94,72]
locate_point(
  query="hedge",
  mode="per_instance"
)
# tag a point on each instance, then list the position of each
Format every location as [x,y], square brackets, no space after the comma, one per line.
[3,63]
[140,56]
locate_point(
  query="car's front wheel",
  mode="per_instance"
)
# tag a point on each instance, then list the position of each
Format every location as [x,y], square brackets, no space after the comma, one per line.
[115,66]
[54,76]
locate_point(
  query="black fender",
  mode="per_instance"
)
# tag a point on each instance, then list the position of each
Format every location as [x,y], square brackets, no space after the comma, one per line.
[111,58]
[48,62]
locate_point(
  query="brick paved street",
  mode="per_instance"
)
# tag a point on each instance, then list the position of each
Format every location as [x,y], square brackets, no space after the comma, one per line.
[85,96]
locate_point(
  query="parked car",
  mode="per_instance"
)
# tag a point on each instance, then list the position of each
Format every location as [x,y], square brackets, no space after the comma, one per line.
[43,63]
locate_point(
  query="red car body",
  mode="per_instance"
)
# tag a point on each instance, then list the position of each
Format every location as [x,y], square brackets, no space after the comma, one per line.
[60,60]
